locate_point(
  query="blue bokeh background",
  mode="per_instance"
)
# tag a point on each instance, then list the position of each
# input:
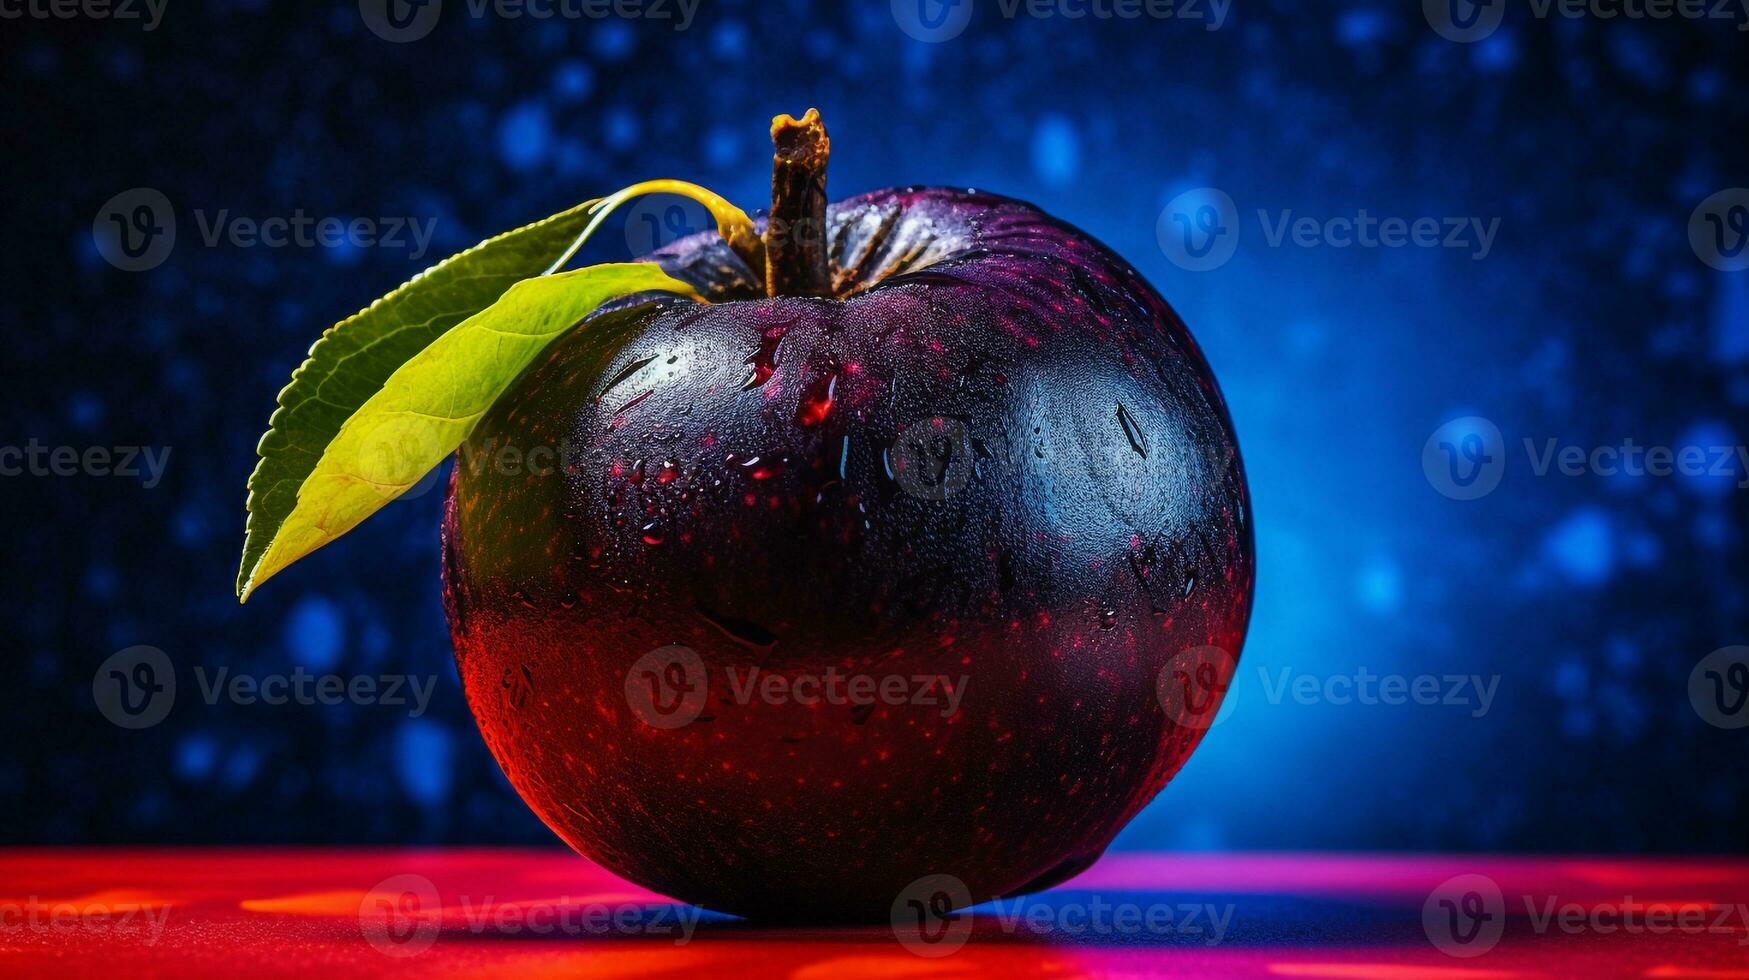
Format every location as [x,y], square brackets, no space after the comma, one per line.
[1584,601]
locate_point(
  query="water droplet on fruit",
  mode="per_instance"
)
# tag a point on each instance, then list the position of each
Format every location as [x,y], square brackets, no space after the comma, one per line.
[759,469]
[1189,583]
[1107,618]
[652,533]
[1132,431]
[817,397]
[628,406]
[764,360]
[624,373]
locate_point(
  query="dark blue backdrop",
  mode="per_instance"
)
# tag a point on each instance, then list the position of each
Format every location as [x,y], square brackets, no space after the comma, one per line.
[1580,605]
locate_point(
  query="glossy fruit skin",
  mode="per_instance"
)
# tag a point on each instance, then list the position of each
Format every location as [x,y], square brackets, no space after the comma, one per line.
[728,481]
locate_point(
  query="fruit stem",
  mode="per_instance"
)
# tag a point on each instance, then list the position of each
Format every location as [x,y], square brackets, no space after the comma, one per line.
[795,234]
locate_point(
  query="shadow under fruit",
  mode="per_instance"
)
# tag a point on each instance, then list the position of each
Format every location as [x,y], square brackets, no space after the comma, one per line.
[930,554]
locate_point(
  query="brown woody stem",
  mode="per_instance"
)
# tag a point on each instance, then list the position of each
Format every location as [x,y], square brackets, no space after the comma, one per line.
[796,262]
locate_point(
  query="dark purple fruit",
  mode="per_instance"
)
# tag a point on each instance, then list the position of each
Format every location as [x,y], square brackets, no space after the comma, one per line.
[991,453]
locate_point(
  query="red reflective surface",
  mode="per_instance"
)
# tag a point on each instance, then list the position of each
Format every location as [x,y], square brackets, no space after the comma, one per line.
[443,913]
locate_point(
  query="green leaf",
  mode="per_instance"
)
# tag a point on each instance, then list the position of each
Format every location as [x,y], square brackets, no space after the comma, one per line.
[354,357]
[430,404]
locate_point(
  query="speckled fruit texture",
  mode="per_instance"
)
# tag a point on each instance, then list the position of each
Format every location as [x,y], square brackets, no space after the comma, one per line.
[994,455]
